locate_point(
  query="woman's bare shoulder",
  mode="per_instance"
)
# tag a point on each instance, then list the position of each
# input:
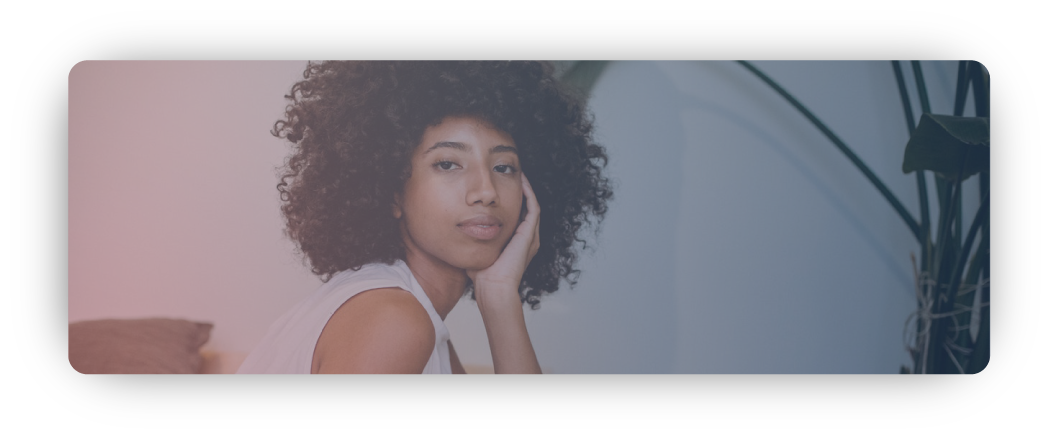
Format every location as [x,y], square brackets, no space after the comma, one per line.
[385,330]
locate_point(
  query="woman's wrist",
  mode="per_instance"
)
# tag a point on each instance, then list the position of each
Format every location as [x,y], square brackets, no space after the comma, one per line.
[497,299]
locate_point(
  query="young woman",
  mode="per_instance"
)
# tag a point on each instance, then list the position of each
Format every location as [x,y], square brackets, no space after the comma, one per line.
[411,184]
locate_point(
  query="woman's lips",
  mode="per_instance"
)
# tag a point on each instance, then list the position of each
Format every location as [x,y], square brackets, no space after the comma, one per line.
[484,227]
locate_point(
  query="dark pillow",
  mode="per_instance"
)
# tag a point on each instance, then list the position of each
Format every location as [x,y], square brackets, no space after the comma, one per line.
[137,346]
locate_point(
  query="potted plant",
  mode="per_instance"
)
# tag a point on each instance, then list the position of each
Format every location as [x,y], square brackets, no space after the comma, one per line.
[949,331]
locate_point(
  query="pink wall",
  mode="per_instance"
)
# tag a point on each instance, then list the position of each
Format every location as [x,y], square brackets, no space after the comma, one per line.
[172,206]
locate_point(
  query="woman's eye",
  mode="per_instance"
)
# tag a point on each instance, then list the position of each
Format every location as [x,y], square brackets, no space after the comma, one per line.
[504,169]
[445,165]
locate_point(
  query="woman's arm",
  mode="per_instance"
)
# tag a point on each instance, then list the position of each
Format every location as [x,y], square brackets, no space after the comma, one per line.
[377,331]
[496,289]
[508,339]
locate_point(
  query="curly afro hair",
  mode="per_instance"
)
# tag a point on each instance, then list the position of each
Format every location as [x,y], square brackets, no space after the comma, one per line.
[354,127]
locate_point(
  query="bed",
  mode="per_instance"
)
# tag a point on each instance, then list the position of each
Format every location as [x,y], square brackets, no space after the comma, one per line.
[146,346]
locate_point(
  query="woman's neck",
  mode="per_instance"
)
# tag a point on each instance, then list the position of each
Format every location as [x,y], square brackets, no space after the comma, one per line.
[442,283]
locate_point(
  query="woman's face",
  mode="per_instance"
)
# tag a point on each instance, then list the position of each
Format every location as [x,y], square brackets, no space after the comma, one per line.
[463,200]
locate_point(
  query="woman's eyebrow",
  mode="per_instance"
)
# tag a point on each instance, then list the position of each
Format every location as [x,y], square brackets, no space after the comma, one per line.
[454,145]
[503,148]
[463,147]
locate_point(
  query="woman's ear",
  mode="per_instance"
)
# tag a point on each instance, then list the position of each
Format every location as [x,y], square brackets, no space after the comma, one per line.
[396,207]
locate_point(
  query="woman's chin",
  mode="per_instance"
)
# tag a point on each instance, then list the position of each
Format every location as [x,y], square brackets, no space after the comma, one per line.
[478,262]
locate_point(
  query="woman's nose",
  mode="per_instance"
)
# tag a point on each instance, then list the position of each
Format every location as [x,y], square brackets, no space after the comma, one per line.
[481,189]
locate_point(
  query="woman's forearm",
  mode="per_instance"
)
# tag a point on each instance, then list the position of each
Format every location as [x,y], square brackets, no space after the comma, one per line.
[505,326]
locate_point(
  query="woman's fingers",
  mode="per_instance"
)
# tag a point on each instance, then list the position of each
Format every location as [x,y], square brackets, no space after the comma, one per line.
[532,206]
[532,216]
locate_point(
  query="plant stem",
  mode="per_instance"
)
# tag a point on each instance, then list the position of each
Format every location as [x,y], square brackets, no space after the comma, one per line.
[945,221]
[887,194]
[944,190]
[962,80]
[966,249]
[962,259]
[921,176]
[958,229]
[921,87]
[904,93]
[980,83]
[942,187]
[937,328]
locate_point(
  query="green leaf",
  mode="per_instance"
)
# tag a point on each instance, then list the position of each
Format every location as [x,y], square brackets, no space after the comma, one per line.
[949,146]
[583,75]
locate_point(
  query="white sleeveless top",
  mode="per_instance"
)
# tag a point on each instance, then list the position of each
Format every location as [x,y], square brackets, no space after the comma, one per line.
[288,346]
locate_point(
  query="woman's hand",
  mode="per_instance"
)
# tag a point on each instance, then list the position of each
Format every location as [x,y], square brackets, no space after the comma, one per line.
[507,271]
[496,289]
